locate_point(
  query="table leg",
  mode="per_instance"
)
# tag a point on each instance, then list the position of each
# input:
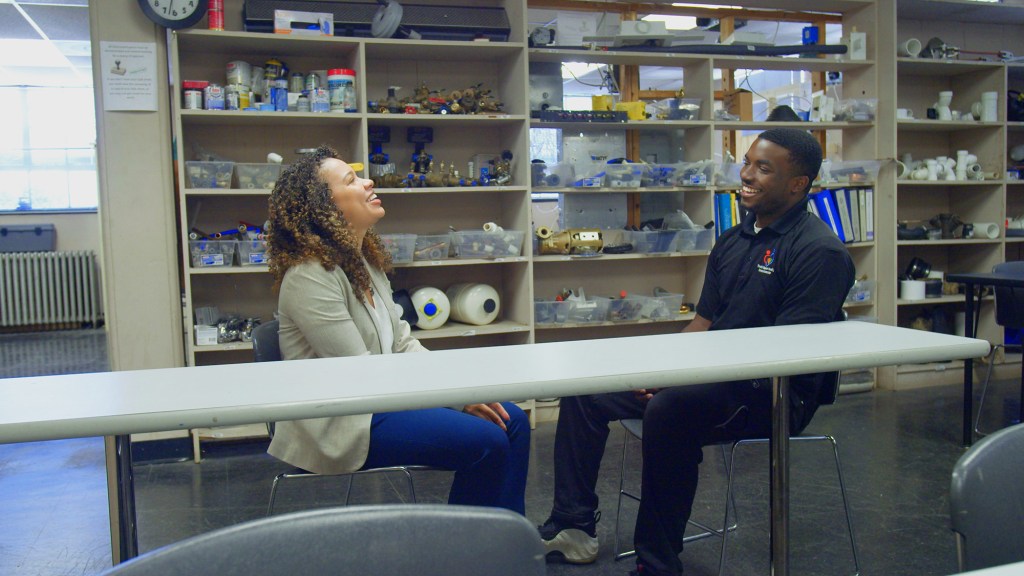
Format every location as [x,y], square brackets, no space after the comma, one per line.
[969,330]
[779,486]
[128,540]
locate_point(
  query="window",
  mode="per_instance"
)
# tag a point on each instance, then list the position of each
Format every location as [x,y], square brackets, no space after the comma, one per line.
[48,149]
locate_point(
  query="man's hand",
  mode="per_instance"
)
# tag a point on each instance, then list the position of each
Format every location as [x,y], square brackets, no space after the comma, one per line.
[645,394]
[493,412]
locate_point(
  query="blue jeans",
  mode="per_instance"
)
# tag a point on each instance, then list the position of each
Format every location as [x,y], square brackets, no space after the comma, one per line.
[490,464]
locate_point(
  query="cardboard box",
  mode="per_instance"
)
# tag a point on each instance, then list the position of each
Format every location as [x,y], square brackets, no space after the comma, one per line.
[741,103]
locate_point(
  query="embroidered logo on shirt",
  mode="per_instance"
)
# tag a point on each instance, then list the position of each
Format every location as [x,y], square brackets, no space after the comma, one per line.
[767,261]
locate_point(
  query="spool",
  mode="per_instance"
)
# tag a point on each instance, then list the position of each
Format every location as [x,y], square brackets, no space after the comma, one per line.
[432,307]
[912,289]
[474,303]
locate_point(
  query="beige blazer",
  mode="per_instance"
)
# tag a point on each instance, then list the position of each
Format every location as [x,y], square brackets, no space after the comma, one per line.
[321,317]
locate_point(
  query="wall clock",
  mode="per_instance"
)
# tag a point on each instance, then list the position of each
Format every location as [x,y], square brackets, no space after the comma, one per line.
[174,14]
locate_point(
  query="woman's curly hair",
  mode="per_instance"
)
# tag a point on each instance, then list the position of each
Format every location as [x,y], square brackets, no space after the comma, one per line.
[306,225]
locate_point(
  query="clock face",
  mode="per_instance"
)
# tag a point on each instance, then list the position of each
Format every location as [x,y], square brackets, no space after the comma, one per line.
[174,14]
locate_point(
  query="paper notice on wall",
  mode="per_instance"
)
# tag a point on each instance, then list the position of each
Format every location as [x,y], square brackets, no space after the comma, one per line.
[571,27]
[129,73]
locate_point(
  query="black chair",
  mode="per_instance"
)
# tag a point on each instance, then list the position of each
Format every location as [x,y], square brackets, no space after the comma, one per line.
[426,540]
[1009,314]
[827,395]
[267,348]
[986,500]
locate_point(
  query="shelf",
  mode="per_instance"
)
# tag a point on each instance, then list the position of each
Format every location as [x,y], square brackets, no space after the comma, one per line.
[943,126]
[229,270]
[450,50]
[743,125]
[615,57]
[568,325]
[461,262]
[230,346]
[632,125]
[438,119]
[946,183]
[954,299]
[789,63]
[950,242]
[606,190]
[459,330]
[827,6]
[961,11]
[933,67]
[868,244]
[244,118]
[1015,126]
[957,365]
[227,191]
[570,258]
[449,190]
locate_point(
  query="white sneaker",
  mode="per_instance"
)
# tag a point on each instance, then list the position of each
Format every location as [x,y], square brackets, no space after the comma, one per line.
[575,545]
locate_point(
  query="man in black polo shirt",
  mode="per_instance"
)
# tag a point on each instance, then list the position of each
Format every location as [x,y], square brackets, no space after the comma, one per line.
[781,265]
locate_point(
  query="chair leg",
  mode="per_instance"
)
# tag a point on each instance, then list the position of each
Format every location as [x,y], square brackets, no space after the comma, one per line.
[984,389]
[707,531]
[277,482]
[842,491]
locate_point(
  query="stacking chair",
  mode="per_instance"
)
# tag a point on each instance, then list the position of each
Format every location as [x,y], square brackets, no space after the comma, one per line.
[634,429]
[1009,314]
[426,540]
[266,348]
[986,500]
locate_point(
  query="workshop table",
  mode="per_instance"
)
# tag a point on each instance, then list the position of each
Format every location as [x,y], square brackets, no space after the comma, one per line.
[970,281]
[122,403]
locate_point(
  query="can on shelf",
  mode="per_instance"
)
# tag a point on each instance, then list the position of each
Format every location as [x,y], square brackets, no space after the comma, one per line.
[239,72]
[215,12]
[342,85]
[297,82]
[192,94]
[237,96]
[213,97]
[319,100]
[279,95]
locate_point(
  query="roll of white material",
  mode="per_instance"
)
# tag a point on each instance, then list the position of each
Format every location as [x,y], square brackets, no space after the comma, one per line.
[912,289]
[432,307]
[474,303]
[988,230]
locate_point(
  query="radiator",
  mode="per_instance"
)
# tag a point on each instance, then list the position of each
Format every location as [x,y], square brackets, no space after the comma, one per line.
[49,290]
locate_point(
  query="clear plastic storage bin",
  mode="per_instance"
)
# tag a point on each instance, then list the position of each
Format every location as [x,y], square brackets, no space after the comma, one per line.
[589,175]
[680,174]
[209,174]
[401,246]
[664,307]
[624,175]
[207,253]
[848,172]
[654,241]
[856,110]
[252,253]
[432,247]
[570,311]
[480,244]
[862,292]
[623,309]
[256,176]
[556,175]
[687,240]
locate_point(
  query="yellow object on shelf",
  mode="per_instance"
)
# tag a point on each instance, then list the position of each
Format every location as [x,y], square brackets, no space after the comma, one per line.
[633,110]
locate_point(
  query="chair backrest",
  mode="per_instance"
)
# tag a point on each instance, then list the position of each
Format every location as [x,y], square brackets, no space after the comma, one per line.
[265,345]
[401,539]
[1010,301]
[986,499]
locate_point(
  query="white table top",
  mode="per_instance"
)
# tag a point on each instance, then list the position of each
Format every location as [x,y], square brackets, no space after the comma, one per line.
[51,407]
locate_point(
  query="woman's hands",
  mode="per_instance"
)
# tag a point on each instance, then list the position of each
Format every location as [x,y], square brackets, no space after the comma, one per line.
[493,412]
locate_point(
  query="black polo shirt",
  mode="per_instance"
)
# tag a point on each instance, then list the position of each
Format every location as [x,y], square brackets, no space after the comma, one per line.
[795,271]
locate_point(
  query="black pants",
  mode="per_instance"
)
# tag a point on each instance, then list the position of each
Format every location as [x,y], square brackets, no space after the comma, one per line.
[678,422]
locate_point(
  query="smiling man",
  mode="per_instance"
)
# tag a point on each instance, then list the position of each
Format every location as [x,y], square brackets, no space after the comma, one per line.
[781,265]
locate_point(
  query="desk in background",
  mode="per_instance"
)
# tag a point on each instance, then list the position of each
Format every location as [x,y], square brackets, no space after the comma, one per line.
[970,281]
[123,403]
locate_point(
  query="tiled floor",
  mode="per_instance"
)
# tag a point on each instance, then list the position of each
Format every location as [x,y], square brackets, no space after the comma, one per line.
[897,449]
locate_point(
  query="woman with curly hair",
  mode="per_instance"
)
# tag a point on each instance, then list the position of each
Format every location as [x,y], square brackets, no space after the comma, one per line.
[335,299]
